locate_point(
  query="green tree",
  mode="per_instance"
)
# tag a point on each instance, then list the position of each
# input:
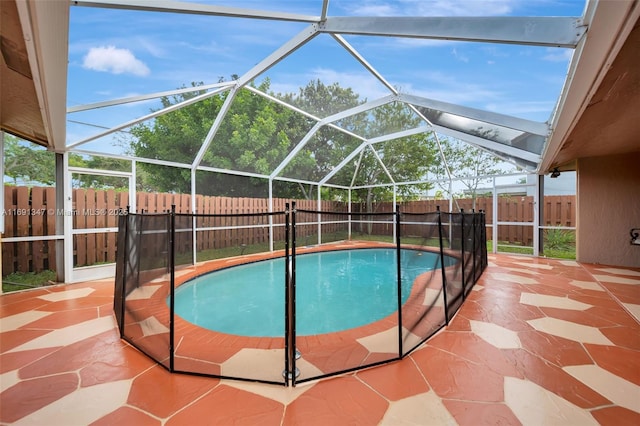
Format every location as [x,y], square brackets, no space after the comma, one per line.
[328,146]
[468,164]
[256,135]
[25,162]
[176,136]
[100,163]
[406,159]
[28,163]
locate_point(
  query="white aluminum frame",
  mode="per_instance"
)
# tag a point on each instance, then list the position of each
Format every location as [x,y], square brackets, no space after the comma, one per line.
[93,272]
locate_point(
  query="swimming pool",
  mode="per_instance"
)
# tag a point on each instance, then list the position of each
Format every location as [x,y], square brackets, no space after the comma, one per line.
[335,291]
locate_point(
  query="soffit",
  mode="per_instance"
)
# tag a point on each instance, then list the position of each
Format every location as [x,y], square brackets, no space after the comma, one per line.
[34,45]
[598,113]
[610,124]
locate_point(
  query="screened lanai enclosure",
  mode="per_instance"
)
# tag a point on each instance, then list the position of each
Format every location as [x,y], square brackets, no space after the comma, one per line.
[226,107]
[202,137]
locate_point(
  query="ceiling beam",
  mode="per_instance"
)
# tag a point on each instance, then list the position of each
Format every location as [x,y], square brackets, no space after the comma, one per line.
[521,124]
[485,143]
[534,31]
[195,9]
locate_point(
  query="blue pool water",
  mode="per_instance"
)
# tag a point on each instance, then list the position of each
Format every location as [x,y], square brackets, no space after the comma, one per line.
[335,290]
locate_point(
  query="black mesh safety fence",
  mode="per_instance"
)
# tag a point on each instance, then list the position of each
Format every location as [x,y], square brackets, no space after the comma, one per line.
[480,250]
[423,298]
[183,250]
[144,284]
[230,303]
[468,257]
[453,246]
[291,296]
[346,311]
[121,256]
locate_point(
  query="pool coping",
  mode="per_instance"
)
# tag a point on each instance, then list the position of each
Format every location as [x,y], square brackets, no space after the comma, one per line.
[339,351]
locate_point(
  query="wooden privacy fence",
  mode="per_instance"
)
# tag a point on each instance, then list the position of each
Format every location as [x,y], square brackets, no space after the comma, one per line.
[32,212]
[559,210]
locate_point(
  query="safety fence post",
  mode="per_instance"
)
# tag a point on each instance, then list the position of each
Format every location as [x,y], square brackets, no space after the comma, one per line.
[442,267]
[291,371]
[172,279]
[462,262]
[473,243]
[399,280]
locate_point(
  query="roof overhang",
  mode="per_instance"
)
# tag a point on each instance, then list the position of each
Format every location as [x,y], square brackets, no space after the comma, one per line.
[597,114]
[34,45]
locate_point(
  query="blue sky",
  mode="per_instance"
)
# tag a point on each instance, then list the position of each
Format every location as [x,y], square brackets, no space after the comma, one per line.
[115,54]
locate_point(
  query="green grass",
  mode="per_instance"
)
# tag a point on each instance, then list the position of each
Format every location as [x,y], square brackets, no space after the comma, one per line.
[505,247]
[221,253]
[560,243]
[560,254]
[24,280]
[556,252]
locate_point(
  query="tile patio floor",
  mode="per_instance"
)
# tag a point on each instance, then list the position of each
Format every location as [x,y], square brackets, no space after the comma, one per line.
[537,342]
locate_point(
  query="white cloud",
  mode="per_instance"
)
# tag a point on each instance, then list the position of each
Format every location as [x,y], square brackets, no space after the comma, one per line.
[431,8]
[114,60]
[463,8]
[459,56]
[362,83]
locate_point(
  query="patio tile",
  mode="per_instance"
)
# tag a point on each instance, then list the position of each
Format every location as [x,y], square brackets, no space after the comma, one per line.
[69,335]
[617,360]
[541,300]
[67,294]
[616,389]
[552,378]
[513,278]
[467,413]
[8,379]
[496,335]
[535,405]
[395,381]
[616,271]
[570,330]
[615,279]
[420,409]
[281,394]
[587,285]
[17,360]
[473,382]
[616,416]
[105,350]
[624,336]
[83,406]
[162,394]
[62,319]
[556,350]
[59,354]
[337,401]
[13,322]
[472,348]
[49,389]
[10,340]
[127,416]
[224,405]
[633,309]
